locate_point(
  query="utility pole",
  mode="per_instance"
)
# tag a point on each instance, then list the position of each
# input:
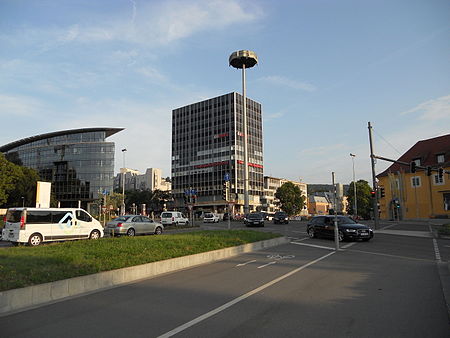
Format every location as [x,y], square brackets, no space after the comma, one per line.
[374,180]
[336,230]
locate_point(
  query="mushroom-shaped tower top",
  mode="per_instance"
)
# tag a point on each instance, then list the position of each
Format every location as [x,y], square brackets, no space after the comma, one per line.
[243,57]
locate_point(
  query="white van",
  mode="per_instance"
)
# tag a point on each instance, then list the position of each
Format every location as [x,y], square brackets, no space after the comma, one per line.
[37,225]
[173,218]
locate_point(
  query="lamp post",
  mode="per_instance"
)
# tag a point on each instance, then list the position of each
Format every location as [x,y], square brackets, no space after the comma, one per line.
[23,201]
[123,183]
[355,204]
[241,60]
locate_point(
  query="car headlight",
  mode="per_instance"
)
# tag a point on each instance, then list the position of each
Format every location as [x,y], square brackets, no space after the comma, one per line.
[350,230]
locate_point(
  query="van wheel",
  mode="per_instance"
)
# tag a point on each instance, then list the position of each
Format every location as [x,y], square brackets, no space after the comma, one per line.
[158,231]
[35,240]
[95,234]
[131,232]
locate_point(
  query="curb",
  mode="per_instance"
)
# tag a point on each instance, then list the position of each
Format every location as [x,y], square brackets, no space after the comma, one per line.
[37,295]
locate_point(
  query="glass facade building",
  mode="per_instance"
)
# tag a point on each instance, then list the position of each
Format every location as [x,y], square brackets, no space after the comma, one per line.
[208,142]
[78,163]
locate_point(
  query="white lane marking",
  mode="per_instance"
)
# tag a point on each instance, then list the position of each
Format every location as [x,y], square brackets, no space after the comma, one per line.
[301,239]
[314,246]
[299,232]
[436,250]
[263,266]
[388,255]
[242,264]
[239,299]
[389,226]
[447,246]
[348,245]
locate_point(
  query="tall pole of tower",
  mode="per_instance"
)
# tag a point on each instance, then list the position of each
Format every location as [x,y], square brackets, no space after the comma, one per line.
[241,60]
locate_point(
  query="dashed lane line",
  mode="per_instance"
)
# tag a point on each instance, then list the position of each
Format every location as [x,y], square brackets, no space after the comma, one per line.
[263,266]
[242,264]
[239,299]
[436,251]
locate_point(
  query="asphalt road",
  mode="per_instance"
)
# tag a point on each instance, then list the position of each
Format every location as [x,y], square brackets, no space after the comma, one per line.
[388,287]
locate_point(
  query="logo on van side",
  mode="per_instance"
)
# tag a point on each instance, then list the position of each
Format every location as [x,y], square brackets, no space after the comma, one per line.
[63,224]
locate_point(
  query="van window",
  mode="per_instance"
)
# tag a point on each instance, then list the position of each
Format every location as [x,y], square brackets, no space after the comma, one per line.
[166,215]
[13,216]
[38,217]
[57,216]
[82,216]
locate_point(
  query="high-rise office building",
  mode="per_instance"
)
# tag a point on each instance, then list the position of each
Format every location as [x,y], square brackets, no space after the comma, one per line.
[208,145]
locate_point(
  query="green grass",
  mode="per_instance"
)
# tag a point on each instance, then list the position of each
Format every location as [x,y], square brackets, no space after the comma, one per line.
[24,266]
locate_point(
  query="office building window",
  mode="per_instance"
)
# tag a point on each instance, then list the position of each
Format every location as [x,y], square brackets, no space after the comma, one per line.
[440,158]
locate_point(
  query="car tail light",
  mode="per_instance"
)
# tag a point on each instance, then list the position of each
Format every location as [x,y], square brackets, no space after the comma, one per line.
[4,219]
[173,219]
[22,223]
[119,225]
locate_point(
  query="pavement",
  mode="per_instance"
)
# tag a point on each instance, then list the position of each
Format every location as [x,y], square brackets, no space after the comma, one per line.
[388,287]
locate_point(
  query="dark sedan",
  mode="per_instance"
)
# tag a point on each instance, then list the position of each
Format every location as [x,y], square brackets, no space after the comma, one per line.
[348,229]
[255,218]
[280,217]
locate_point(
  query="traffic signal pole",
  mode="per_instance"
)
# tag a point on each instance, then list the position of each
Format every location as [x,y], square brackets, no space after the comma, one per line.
[374,181]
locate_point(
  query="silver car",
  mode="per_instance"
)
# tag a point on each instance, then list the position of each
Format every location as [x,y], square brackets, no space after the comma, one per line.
[131,225]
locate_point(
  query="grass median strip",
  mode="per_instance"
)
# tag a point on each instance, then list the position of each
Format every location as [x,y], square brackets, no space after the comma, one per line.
[24,266]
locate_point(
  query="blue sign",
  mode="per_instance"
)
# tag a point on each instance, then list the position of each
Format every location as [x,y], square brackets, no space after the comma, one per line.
[190,192]
[226,177]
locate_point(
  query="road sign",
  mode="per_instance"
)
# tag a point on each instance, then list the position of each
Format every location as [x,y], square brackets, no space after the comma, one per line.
[226,177]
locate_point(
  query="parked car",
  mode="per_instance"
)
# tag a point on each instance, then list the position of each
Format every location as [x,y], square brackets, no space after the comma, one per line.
[348,229]
[255,218]
[37,225]
[280,217]
[210,217]
[131,225]
[227,216]
[173,218]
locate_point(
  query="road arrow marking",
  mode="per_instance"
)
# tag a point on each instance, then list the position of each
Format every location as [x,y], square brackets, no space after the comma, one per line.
[242,264]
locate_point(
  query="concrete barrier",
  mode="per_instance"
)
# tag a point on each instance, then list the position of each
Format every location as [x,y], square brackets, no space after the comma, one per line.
[33,296]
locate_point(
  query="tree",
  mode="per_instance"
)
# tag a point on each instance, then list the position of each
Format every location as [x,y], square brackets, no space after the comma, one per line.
[291,199]
[17,182]
[363,198]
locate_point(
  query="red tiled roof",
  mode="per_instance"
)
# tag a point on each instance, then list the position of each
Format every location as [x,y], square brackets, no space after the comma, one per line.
[426,151]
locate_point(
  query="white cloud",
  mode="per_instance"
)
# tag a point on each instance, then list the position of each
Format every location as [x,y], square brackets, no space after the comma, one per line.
[151,24]
[283,81]
[432,110]
[18,106]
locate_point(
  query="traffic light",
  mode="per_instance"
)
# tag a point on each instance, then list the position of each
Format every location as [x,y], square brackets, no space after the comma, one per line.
[429,171]
[372,193]
[412,166]
[194,199]
[440,173]
[225,191]
[381,192]
[185,199]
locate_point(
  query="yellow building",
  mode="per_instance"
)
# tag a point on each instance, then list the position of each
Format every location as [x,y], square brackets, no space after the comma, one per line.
[420,194]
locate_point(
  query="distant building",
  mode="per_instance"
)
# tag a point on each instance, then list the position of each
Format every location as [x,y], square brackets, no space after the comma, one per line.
[318,205]
[409,195]
[269,203]
[79,162]
[134,180]
[208,145]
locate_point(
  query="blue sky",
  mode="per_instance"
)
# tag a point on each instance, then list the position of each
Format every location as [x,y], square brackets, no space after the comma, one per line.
[325,69]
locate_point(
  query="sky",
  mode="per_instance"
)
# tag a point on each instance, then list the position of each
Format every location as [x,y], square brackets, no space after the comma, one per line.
[326,68]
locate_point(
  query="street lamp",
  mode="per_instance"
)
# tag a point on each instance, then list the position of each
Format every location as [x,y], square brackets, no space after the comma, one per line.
[355,204]
[23,201]
[241,60]
[123,183]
